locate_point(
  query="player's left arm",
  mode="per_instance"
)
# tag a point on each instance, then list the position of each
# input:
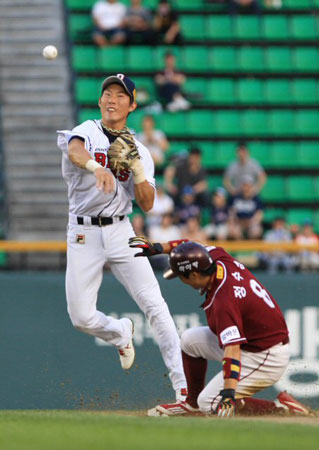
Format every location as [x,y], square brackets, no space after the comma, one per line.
[144,195]
[231,372]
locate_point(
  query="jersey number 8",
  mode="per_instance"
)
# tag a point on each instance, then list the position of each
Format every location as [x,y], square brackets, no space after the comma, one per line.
[261,293]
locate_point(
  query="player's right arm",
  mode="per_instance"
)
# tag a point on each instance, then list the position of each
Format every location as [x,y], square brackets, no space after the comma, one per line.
[80,157]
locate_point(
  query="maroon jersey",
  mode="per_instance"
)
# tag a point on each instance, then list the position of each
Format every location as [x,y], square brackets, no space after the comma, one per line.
[239,309]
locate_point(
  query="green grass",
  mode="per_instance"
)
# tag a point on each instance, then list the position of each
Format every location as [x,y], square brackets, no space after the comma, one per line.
[76,430]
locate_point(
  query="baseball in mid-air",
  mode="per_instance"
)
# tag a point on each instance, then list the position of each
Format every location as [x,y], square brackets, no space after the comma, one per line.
[50,52]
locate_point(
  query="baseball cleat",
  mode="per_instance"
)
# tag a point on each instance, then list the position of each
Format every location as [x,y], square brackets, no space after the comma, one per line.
[181,395]
[174,409]
[127,353]
[289,403]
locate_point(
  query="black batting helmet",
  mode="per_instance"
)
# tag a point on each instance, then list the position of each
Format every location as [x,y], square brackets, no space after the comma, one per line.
[186,258]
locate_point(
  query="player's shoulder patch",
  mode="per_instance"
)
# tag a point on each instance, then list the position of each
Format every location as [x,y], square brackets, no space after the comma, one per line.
[220,273]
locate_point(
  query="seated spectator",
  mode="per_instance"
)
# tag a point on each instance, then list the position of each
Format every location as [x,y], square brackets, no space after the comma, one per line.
[187,171]
[244,6]
[108,17]
[138,24]
[308,260]
[237,170]
[187,208]
[245,213]
[166,24]
[166,231]
[163,204]
[218,226]
[193,231]
[278,259]
[169,85]
[139,225]
[155,140]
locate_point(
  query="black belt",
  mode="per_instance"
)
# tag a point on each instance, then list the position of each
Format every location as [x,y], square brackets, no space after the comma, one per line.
[99,221]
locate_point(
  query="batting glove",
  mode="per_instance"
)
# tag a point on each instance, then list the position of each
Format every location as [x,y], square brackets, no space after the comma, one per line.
[227,405]
[148,248]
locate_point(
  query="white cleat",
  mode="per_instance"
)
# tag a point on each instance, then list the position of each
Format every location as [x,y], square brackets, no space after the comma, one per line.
[127,353]
[174,409]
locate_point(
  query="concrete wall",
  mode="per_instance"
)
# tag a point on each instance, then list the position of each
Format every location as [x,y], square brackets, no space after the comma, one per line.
[45,363]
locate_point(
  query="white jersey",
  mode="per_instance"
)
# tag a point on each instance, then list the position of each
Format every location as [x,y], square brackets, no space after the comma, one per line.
[84,197]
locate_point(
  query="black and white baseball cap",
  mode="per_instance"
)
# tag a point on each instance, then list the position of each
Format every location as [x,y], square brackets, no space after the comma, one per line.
[123,81]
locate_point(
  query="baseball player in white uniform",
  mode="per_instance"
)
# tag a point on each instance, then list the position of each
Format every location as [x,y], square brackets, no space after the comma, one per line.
[105,167]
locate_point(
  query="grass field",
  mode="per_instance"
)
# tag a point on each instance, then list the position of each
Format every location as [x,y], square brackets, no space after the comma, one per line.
[81,430]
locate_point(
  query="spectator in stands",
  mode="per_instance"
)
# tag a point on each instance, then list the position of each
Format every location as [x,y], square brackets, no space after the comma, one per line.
[139,225]
[244,6]
[108,17]
[308,260]
[193,231]
[166,229]
[246,212]
[218,227]
[278,259]
[238,170]
[166,24]
[138,24]
[187,208]
[155,140]
[169,85]
[163,204]
[187,171]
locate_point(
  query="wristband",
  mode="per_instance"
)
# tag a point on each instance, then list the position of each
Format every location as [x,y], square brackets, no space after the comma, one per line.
[92,165]
[173,244]
[231,368]
[138,172]
[228,393]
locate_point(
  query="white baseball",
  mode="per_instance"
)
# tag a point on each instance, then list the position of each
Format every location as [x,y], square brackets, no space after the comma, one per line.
[50,52]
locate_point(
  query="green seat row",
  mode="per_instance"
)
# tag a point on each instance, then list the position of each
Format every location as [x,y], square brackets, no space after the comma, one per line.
[197,59]
[248,123]
[271,155]
[296,188]
[219,90]
[200,28]
[293,215]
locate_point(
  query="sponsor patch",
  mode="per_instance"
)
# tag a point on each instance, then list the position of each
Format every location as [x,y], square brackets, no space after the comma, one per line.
[220,272]
[80,238]
[229,334]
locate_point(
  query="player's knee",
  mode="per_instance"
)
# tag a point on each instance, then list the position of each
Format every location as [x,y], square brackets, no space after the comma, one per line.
[81,322]
[186,341]
[204,403]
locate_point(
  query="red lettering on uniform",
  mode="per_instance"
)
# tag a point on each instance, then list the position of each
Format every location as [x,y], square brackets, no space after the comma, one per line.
[123,175]
[100,158]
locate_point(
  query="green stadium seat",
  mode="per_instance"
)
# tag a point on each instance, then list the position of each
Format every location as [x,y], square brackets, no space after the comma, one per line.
[283,155]
[88,114]
[274,189]
[278,91]
[112,59]
[227,123]
[87,90]
[316,220]
[175,124]
[218,27]
[223,59]
[80,27]
[208,154]
[303,27]
[224,153]
[159,56]
[281,122]
[279,59]
[298,216]
[195,59]
[300,188]
[261,152]
[306,59]
[176,147]
[308,154]
[80,4]
[84,58]
[251,59]
[196,89]
[200,123]
[145,88]
[220,90]
[270,214]
[305,91]
[250,91]
[299,4]
[254,123]
[214,181]
[193,27]
[307,122]
[186,4]
[247,27]
[275,27]
[134,121]
[140,58]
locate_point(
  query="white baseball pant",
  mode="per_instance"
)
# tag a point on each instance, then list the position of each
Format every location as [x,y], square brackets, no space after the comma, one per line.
[258,370]
[83,279]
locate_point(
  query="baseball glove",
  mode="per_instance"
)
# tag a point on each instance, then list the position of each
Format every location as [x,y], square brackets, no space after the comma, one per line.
[123,152]
[148,248]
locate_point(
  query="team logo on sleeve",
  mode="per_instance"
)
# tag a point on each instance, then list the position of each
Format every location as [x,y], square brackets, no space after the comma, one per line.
[220,272]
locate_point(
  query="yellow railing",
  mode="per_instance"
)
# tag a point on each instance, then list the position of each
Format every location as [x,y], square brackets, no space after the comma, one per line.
[231,246]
